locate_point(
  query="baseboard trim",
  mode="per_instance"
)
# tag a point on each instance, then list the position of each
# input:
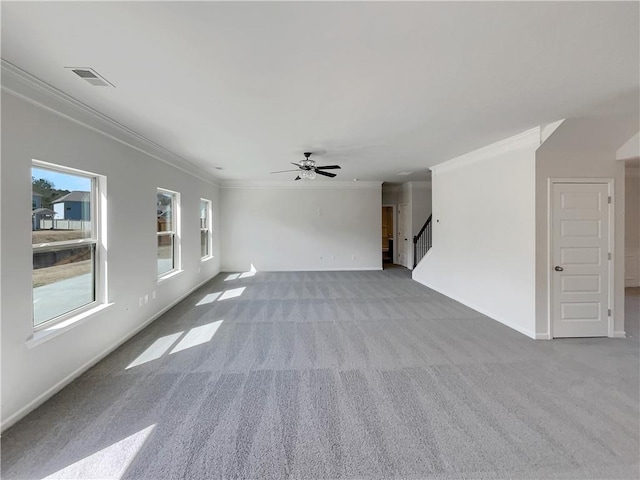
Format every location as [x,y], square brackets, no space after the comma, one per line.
[619,334]
[542,336]
[492,316]
[40,399]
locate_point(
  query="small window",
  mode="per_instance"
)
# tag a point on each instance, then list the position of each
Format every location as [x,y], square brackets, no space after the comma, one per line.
[167,204]
[64,241]
[205,229]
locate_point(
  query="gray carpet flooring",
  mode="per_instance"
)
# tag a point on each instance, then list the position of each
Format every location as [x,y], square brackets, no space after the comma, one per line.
[353,375]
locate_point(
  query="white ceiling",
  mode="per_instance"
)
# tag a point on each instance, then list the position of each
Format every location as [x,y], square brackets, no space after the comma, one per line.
[380,87]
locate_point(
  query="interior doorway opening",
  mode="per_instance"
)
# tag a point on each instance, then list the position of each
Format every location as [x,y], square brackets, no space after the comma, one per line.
[388,229]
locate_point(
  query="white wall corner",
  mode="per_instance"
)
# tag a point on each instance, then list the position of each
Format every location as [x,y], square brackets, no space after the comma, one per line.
[547,130]
[25,86]
[630,150]
[528,138]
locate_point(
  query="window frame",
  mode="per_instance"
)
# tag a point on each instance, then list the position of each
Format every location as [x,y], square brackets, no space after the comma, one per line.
[174,233]
[208,228]
[95,241]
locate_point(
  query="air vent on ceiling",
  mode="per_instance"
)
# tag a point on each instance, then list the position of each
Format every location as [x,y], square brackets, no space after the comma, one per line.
[90,75]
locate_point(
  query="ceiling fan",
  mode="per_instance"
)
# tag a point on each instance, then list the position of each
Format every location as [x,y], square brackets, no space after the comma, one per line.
[307,168]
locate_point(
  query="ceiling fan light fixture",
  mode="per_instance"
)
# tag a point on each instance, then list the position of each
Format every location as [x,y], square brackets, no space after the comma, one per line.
[308,170]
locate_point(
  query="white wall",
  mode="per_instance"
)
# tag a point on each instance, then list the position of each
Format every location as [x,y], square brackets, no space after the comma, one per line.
[581,148]
[291,226]
[389,194]
[483,252]
[632,227]
[30,375]
[420,205]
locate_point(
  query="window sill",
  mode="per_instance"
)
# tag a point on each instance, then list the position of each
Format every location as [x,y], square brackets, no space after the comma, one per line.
[206,259]
[167,276]
[46,334]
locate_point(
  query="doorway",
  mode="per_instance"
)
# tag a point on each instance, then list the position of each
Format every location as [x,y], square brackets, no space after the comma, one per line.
[581,252]
[388,229]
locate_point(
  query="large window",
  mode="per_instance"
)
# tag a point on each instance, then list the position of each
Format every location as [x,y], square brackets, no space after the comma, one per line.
[205,228]
[167,211]
[64,236]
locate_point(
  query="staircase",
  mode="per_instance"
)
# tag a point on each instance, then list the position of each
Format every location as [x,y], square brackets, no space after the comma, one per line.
[422,242]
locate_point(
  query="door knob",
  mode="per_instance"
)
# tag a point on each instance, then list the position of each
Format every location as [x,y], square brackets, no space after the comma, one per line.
[558,269]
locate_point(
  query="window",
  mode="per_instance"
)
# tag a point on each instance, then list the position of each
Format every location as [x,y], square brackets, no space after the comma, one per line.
[66,254]
[167,213]
[205,228]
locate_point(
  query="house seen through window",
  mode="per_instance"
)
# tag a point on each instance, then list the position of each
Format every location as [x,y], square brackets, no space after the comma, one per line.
[64,241]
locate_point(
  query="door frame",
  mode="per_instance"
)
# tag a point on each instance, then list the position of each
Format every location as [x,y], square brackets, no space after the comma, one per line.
[394,208]
[612,246]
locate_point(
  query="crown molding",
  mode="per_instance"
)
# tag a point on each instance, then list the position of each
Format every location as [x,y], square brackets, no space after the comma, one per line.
[303,184]
[630,150]
[526,139]
[549,129]
[25,86]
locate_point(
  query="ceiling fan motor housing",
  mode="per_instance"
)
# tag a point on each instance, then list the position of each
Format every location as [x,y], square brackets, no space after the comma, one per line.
[307,163]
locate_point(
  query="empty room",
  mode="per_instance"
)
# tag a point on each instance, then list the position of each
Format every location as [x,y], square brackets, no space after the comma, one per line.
[320,240]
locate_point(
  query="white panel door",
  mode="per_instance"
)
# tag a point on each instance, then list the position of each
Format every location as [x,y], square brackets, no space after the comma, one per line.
[403,237]
[580,257]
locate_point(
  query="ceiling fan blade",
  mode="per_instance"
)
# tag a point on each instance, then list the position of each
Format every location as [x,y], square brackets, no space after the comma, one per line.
[326,174]
[297,178]
[296,164]
[283,171]
[330,167]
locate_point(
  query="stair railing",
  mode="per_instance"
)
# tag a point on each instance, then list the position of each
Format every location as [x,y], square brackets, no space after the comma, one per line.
[422,242]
